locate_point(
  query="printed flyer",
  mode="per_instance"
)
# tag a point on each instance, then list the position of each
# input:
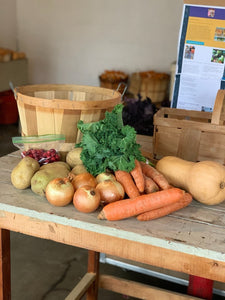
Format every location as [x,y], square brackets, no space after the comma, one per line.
[201,58]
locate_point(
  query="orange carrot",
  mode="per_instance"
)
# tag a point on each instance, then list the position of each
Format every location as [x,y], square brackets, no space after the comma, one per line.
[166,210]
[156,176]
[123,209]
[138,176]
[127,182]
[150,185]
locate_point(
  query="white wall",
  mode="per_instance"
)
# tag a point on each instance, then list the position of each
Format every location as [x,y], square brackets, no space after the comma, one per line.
[73,41]
[8,30]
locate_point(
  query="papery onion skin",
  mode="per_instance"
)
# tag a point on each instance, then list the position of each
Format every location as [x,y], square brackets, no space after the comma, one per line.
[86,199]
[83,179]
[105,176]
[110,191]
[59,192]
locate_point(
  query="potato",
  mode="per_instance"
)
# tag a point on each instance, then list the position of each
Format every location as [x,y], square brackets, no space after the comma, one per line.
[73,157]
[78,169]
[56,164]
[21,175]
[41,178]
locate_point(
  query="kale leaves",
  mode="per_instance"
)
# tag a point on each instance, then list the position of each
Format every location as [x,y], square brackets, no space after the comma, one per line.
[108,144]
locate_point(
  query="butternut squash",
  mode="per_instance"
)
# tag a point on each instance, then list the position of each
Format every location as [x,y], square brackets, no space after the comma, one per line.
[204,180]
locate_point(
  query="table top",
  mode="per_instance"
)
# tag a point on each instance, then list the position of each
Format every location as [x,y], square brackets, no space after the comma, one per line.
[190,240]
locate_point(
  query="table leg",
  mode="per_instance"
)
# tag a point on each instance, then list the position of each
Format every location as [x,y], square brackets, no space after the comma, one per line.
[93,267]
[200,287]
[5,274]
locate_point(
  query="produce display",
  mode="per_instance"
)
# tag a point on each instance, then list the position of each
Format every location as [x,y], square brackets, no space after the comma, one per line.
[167,209]
[59,191]
[141,204]
[86,199]
[43,148]
[110,191]
[108,144]
[41,155]
[81,179]
[46,173]
[73,158]
[205,180]
[80,168]
[139,114]
[22,174]
[106,173]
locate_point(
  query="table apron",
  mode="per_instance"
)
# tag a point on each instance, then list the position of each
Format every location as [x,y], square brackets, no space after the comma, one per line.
[112,245]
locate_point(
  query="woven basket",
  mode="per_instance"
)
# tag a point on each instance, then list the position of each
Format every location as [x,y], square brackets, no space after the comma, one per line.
[150,84]
[56,109]
[111,79]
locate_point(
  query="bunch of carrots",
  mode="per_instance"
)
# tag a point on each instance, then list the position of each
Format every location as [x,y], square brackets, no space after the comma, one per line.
[150,195]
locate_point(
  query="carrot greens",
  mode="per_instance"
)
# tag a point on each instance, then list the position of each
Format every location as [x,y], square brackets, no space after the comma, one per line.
[108,144]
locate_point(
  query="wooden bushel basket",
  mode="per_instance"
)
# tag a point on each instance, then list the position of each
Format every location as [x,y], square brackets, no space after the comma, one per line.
[56,109]
[150,84]
[191,135]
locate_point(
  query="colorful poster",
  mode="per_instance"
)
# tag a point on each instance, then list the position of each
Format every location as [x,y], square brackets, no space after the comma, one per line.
[201,58]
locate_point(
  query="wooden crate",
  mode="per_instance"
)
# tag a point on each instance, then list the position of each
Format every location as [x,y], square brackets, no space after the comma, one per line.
[191,135]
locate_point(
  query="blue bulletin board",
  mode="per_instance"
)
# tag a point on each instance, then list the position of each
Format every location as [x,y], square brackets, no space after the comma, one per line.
[200,68]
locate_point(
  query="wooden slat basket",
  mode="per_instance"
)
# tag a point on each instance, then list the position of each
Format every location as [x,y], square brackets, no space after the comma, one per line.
[191,135]
[56,109]
[150,84]
[111,79]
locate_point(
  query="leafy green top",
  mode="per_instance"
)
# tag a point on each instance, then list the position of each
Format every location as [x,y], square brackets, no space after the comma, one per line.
[108,144]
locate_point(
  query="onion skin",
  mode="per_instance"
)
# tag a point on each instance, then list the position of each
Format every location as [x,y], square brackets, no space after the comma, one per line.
[105,176]
[110,191]
[86,199]
[83,179]
[59,192]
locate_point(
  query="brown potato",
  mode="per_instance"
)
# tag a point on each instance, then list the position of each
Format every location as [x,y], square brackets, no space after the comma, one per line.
[21,175]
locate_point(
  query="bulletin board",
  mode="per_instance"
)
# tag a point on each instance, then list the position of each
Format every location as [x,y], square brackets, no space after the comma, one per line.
[200,68]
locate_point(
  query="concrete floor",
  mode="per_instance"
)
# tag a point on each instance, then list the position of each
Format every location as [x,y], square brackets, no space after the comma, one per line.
[46,270]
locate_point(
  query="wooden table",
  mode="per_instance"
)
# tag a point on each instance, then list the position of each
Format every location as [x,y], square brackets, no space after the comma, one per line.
[190,241]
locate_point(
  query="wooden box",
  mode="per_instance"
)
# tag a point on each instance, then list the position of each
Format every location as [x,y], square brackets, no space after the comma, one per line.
[191,135]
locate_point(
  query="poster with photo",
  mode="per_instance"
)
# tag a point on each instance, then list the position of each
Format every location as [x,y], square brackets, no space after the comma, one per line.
[201,57]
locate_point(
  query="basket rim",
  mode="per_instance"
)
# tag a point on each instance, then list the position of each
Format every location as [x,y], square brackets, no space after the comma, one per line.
[63,87]
[21,96]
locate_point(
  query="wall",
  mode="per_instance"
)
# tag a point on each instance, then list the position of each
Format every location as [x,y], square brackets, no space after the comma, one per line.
[8,30]
[73,41]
